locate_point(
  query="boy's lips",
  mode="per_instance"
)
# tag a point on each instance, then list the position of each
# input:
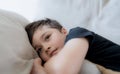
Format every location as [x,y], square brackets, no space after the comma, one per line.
[53,52]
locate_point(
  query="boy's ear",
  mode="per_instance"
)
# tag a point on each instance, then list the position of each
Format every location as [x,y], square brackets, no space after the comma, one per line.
[64,31]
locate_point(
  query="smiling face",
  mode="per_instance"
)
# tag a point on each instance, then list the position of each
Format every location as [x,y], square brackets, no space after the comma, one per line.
[48,41]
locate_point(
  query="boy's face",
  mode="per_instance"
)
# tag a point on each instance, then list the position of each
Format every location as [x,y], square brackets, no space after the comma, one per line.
[48,41]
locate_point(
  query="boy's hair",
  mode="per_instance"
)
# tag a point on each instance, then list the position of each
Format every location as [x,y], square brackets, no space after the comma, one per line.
[32,27]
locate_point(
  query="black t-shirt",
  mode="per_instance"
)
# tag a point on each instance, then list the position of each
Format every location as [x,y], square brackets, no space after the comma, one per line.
[101,50]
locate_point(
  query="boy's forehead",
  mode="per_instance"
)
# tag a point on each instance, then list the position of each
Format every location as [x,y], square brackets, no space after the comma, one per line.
[40,32]
[45,28]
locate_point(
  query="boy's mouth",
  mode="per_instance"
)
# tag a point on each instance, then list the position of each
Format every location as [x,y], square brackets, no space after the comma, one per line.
[53,52]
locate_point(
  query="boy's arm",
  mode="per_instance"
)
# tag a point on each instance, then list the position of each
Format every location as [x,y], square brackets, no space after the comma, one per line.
[69,59]
[37,68]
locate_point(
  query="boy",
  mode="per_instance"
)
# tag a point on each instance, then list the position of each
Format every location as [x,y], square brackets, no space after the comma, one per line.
[63,52]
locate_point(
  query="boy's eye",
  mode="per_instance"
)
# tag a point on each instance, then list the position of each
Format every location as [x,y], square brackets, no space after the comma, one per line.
[47,37]
[39,50]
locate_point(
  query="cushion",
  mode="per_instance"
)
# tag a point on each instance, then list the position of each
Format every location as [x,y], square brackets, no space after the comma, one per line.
[16,53]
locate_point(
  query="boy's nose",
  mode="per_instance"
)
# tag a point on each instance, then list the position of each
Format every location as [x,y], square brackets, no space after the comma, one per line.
[48,50]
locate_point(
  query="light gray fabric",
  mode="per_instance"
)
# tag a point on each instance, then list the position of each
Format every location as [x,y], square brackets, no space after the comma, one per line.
[89,68]
[16,53]
[70,13]
[107,23]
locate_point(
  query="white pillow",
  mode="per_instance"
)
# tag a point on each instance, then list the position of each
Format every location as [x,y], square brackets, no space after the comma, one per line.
[16,53]
[107,23]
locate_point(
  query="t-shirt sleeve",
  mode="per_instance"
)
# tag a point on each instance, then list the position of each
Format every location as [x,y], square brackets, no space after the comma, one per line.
[78,32]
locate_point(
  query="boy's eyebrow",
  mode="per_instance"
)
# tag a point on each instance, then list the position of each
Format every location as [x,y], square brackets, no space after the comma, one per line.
[43,34]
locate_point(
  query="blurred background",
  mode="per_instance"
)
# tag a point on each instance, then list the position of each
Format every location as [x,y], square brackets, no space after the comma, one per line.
[100,16]
[67,12]
[27,8]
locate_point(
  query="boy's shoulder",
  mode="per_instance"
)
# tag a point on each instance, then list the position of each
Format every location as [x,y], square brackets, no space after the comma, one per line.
[78,32]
